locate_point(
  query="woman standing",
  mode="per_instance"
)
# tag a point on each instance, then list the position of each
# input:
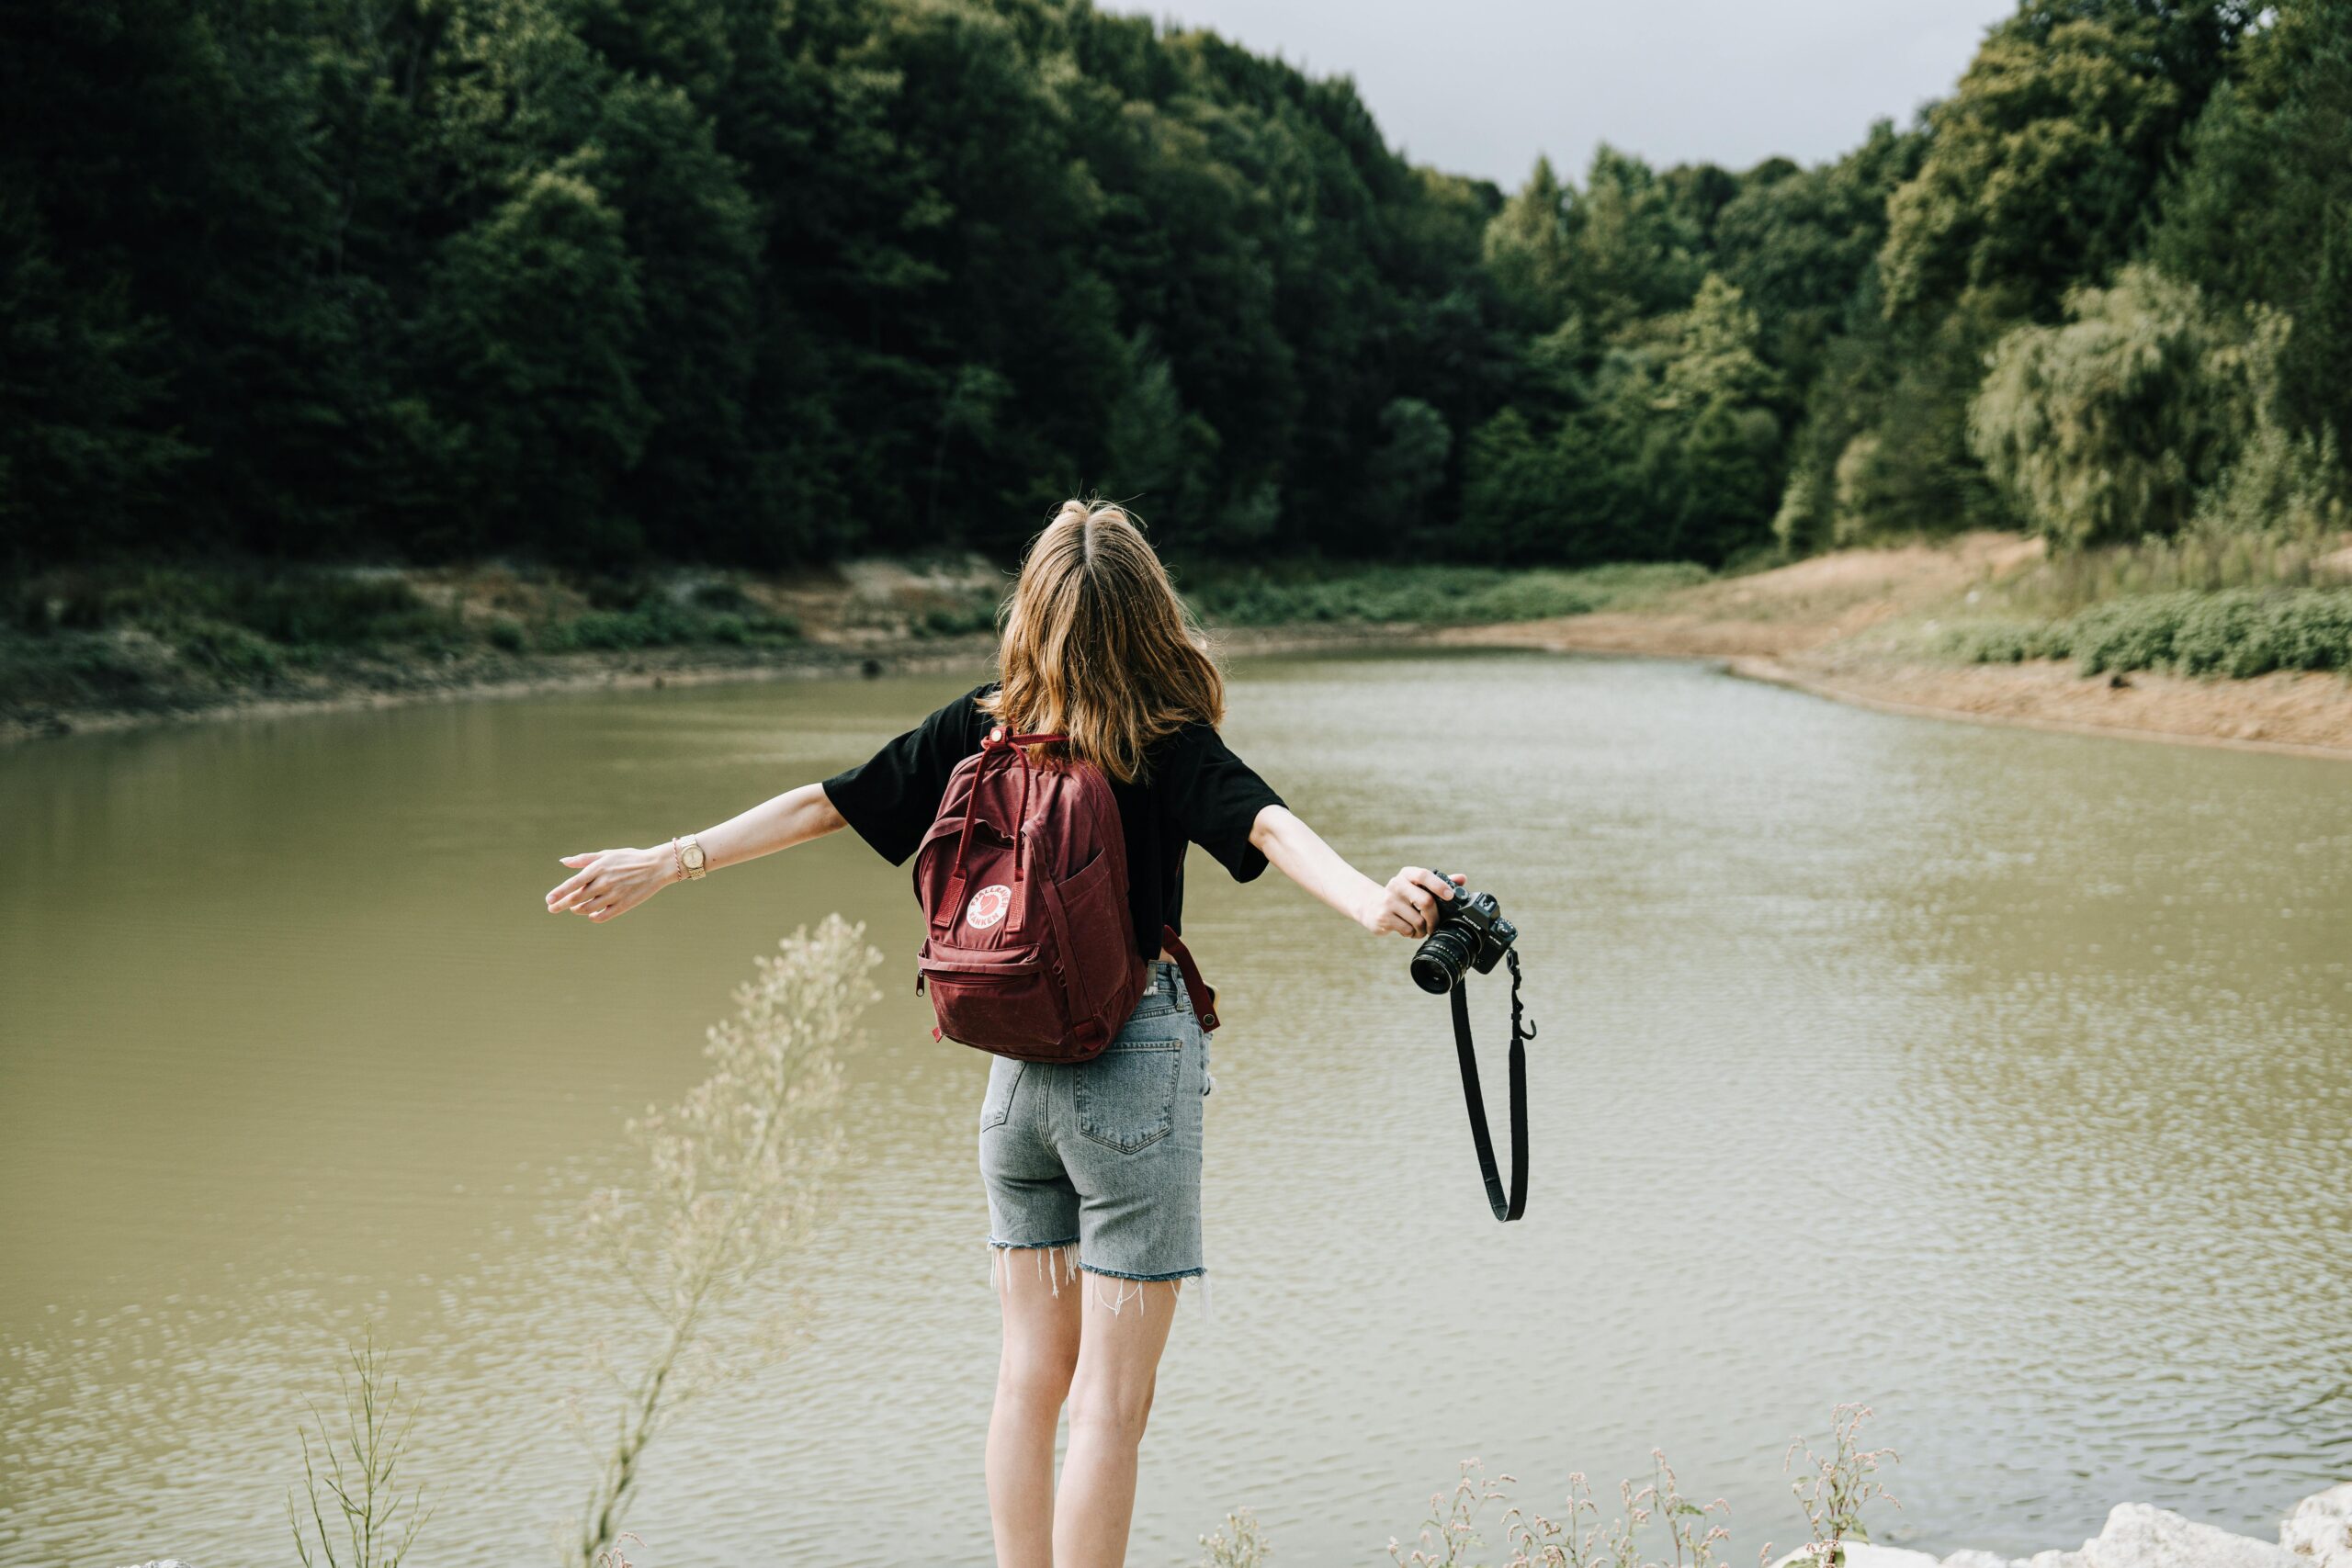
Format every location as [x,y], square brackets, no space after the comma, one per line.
[1093,1170]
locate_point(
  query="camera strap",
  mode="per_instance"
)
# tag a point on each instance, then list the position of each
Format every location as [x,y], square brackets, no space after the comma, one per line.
[1510,1206]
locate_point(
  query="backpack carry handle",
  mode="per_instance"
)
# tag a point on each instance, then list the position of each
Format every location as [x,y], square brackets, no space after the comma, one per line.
[997,750]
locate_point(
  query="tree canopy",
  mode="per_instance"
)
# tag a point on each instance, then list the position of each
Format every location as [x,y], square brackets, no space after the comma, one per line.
[764,281]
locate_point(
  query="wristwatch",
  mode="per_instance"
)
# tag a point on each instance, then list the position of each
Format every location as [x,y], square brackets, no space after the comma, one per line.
[691,862]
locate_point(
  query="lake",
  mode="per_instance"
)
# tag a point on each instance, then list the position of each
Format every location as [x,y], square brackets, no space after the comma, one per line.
[1999,1080]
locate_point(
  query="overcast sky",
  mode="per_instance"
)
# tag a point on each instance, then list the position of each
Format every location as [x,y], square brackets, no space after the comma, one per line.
[1480,87]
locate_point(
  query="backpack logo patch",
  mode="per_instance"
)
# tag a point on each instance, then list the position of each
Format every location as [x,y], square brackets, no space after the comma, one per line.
[987,906]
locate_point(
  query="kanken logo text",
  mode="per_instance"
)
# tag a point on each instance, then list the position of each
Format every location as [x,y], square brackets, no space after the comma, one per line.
[987,906]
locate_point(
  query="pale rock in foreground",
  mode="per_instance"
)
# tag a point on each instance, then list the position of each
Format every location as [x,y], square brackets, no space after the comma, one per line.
[1864,1554]
[2138,1536]
[2320,1529]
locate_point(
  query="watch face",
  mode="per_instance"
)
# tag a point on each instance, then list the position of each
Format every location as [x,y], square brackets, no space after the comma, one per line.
[694,857]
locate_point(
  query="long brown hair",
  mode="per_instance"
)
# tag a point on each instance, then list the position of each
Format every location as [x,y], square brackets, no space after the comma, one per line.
[1097,645]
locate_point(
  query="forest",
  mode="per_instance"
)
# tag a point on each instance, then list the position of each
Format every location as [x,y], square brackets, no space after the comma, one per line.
[764,282]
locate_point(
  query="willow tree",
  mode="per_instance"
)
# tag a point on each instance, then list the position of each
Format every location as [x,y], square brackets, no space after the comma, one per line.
[2111,425]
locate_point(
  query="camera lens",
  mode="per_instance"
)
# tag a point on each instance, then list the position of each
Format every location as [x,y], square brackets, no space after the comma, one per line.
[1440,960]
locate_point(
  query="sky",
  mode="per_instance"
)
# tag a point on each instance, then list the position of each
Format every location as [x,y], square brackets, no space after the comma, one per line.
[1481,87]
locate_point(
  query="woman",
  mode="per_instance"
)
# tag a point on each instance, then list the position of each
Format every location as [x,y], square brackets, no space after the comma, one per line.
[1102,1158]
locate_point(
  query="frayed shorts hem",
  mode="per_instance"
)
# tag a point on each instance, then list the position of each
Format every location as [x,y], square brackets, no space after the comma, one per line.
[1087,1268]
[1083,1267]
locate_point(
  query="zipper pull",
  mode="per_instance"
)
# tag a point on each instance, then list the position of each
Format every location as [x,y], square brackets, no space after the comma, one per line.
[918,982]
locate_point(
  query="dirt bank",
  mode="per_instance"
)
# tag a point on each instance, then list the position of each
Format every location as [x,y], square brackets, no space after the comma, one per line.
[1828,625]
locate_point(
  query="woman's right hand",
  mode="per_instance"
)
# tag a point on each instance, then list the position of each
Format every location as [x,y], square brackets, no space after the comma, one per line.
[612,882]
[1407,905]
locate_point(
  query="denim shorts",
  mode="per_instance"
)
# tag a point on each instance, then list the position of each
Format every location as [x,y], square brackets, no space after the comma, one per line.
[1105,1154]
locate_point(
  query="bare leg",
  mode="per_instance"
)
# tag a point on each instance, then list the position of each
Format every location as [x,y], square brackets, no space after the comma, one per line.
[1124,1330]
[1039,1291]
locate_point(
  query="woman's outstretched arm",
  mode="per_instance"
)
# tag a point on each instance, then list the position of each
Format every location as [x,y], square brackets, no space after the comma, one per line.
[606,883]
[1406,906]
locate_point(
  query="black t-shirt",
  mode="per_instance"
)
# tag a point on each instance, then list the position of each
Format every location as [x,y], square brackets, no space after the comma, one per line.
[1194,790]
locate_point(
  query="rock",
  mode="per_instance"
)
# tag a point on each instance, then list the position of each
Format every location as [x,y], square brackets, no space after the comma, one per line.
[1980,1560]
[2138,1536]
[2320,1529]
[1864,1555]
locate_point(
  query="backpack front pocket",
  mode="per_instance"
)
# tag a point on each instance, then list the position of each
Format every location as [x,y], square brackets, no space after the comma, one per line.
[998,999]
[1126,1096]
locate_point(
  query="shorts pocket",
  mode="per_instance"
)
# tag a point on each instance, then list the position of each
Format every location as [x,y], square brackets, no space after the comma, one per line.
[1004,1079]
[1126,1096]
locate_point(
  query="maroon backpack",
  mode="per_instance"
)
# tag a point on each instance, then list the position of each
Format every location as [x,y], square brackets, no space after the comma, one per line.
[1023,878]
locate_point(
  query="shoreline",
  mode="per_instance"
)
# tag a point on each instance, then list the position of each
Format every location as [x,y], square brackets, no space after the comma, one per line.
[554,674]
[1772,672]
[1841,627]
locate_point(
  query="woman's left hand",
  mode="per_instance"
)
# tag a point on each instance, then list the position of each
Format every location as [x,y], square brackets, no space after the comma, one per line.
[612,882]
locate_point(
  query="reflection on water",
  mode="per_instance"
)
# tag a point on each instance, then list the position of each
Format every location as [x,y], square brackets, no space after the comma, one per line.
[1999,1080]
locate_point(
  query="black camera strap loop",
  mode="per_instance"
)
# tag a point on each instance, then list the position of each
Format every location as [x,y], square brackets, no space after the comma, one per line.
[1504,1207]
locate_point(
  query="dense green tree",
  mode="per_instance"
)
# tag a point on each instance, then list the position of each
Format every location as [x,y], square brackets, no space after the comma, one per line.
[1798,242]
[1407,469]
[2043,164]
[2260,211]
[1526,249]
[533,314]
[602,280]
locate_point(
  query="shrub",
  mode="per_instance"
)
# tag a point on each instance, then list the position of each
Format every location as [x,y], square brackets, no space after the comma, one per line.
[309,607]
[725,597]
[293,607]
[2218,633]
[230,651]
[2236,632]
[957,620]
[2307,631]
[2005,642]
[653,623]
[2128,634]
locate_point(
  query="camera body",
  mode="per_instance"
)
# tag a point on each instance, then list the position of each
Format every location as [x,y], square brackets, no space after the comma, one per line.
[1471,934]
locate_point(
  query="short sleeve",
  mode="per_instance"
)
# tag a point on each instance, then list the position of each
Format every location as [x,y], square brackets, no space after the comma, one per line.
[1214,799]
[892,797]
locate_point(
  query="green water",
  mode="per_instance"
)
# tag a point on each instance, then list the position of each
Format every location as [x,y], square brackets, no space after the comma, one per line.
[2000,1079]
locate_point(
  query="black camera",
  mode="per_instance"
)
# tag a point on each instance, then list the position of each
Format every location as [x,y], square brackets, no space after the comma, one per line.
[1471,934]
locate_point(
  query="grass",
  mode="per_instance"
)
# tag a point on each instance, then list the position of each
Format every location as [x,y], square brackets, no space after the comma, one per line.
[2072,580]
[149,637]
[2237,632]
[1307,592]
